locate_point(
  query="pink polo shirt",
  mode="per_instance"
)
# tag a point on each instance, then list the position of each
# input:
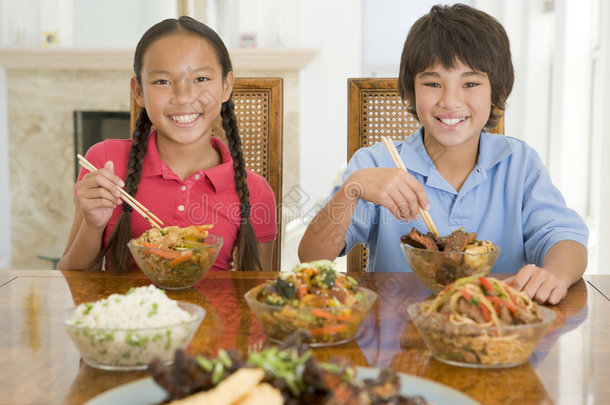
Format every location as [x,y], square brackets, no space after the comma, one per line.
[206,197]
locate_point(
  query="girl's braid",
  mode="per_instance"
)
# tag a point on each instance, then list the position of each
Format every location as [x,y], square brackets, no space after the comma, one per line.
[248,254]
[119,258]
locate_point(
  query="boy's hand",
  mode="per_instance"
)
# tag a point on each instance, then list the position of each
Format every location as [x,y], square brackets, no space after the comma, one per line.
[541,285]
[97,195]
[395,189]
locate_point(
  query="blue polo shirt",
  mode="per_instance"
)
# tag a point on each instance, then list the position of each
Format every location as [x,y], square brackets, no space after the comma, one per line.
[508,199]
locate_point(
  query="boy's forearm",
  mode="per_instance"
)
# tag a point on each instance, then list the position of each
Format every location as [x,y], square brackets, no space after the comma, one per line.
[324,238]
[567,260]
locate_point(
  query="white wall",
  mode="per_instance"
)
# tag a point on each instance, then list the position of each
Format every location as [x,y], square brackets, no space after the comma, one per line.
[599,256]
[334,28]
[117,23]
[385,25]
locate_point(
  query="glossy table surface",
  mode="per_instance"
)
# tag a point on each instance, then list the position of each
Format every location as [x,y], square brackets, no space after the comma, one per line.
[40,365]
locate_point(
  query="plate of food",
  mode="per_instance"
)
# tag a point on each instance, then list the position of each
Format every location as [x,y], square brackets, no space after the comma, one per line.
[481,322]
[175,258]
[315,297]
[127,331]
[276,375]
[438,261]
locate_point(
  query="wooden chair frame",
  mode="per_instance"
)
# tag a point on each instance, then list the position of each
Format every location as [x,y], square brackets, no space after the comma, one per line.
[375,109]
[259,111]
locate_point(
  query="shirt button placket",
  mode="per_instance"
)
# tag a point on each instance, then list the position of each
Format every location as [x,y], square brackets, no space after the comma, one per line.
[181,202]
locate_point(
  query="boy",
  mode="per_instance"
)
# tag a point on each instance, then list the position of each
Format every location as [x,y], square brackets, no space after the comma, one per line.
[455,76]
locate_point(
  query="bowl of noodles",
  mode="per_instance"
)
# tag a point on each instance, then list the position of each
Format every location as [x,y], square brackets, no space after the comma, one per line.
[438,261]
[481,322]
[175,258]
[314,297]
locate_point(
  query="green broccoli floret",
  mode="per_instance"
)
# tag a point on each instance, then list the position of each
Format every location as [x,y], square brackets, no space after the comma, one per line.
[284,288]
[326,278]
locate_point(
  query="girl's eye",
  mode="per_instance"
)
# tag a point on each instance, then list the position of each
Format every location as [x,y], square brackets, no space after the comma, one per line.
[432,84]
[471,84]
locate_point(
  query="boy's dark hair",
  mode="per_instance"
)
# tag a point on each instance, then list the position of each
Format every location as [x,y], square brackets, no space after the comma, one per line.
[458,33]
[248,255]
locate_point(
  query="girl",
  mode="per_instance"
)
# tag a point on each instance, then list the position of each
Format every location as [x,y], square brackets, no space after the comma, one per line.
[183,82]
[455,76]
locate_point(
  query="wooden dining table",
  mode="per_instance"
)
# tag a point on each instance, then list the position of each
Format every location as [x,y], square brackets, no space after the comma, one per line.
[39,364]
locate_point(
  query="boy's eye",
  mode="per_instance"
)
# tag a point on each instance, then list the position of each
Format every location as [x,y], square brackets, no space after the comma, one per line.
[161,81]
[471,84]
[201,79]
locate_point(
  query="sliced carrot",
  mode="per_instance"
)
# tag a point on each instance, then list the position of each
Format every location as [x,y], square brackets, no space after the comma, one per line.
[328,330]
[151,245]
[181,259]
[166,254]
[322,313]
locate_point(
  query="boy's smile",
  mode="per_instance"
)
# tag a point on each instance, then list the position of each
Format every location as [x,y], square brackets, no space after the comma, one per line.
[453,104]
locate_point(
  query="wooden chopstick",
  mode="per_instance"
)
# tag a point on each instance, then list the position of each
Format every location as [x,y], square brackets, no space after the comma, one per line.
[135,204]
[399,163]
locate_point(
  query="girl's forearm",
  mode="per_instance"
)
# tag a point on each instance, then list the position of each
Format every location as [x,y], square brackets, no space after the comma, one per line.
[324,238]
[84,249]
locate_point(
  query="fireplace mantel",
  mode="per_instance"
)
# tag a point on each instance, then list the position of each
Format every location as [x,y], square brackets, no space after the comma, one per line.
[264,59]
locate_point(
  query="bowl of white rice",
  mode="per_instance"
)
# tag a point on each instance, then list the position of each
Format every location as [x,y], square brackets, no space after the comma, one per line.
[126,331]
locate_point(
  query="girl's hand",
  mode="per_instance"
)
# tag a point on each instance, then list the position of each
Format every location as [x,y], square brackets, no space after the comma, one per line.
[98,196]
[541,285]
[395,189]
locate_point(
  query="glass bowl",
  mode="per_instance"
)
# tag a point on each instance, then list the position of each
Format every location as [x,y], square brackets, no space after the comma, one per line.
[328,326]
[175,269]
[132,348]
[437,269]
[469,345]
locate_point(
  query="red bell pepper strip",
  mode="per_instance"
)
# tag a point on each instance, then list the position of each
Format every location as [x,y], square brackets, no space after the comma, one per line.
[484,312]
[511,307]
[486,283]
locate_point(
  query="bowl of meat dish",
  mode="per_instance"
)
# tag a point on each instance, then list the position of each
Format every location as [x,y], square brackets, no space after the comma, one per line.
[175,258]
[127,331]
[314,297]
[481,322]
[439,261]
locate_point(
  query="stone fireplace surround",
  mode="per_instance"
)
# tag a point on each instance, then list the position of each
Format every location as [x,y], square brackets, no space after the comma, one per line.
[46,86]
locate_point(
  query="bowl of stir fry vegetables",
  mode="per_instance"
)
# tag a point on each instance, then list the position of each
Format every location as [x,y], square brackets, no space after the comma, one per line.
[175,258]
[314,297]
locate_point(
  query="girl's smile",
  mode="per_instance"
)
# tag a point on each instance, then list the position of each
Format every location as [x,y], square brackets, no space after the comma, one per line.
[182,90]
[184,119]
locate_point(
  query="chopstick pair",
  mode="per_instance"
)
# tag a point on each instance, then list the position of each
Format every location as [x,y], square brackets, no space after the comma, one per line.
[135,204]
[399,164]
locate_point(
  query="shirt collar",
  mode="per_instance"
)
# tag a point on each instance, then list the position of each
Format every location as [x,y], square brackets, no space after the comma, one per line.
[492,149]
[220,176]
[223,175]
